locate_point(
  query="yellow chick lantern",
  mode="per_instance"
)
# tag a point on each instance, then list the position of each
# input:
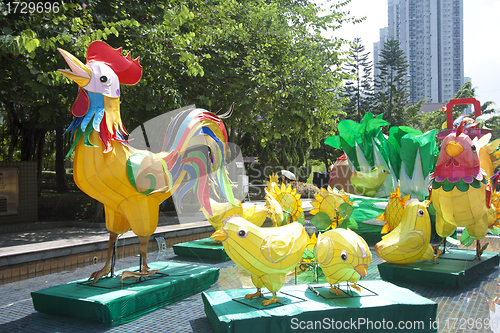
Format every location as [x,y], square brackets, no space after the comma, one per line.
[268,254]
[367,183]
[343,256]
[410,240]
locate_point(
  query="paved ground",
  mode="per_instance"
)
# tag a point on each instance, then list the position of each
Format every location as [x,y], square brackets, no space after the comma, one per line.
[458,311]
[17,313]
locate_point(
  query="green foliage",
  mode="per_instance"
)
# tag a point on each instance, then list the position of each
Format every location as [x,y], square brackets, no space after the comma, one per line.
[362,135]
[308,254]
[465,238]
[391,84]
[359,90]
[268,58]
[321,221]
[436,119]
[304,189]
[348,223]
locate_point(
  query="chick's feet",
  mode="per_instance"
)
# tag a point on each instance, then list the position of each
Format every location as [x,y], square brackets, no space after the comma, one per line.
[336,290]
[271,301]
[356,287]
[257,294]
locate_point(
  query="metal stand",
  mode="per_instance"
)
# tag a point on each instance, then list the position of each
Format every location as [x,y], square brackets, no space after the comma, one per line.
[113,261]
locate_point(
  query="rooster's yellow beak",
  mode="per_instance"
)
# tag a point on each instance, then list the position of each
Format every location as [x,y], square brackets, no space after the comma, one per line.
[220,235]
[81,73]
[453,148]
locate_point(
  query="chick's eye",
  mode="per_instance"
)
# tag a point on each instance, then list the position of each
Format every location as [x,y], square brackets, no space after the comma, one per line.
[384,171]
[242,233]
[104,80]
[343,256]
[420,212]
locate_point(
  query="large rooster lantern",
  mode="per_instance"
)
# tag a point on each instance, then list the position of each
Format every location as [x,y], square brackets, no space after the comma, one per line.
[132,183]
[461,191]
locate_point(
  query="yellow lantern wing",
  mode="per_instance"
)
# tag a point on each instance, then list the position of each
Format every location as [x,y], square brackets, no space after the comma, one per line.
[275,210]
[275,248]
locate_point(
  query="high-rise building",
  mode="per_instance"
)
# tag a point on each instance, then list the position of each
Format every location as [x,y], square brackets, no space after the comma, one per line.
[430,33]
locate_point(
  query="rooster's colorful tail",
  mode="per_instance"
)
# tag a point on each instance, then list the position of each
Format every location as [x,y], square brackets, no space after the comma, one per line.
[196,143]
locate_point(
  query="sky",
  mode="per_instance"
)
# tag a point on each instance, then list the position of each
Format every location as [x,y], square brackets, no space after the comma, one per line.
[481,40]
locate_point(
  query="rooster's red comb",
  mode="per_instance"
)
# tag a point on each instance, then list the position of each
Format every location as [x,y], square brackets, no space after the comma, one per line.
[129,70]
[461,128]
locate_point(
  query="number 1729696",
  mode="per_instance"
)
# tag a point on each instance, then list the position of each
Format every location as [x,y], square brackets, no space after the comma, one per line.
[21,7]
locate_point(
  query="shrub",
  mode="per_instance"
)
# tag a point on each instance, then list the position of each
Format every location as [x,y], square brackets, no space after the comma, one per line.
[305,189]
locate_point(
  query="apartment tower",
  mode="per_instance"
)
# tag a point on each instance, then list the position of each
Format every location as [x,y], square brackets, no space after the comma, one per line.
[430,33]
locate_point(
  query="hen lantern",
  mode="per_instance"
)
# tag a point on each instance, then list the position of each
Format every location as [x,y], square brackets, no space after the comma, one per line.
[461,193]
[410,240]
[368,183]
[268,254]
[132,183]
[343,256]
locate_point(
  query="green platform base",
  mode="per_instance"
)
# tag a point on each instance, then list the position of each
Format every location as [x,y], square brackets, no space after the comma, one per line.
[113,302]
[453,270]
[379,306]
[202,248]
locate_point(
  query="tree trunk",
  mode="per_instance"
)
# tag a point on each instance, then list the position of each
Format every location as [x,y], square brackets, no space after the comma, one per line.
[40,142]
[61,184]
[327,167]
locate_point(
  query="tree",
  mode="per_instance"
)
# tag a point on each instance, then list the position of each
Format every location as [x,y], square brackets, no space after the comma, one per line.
[359,90]
[269,58]
[391,85]
[436,119]
[35,99]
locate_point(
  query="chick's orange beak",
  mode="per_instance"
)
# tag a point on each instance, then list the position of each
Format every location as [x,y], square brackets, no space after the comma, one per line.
[81,73]
[362,269]
[220,235]
[453,149]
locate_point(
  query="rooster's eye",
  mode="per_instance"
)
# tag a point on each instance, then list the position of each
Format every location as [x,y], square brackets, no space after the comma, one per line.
[473,148]
[104,80]
[242,233]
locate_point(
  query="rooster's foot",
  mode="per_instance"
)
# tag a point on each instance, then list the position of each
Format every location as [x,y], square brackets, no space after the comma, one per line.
[136,275]
[99,274]
[438,253]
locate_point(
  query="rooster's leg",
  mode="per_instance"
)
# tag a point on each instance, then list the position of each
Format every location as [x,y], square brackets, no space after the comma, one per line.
[480,249]
[107,266]
[144,268]
[437,251]
[144,253]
